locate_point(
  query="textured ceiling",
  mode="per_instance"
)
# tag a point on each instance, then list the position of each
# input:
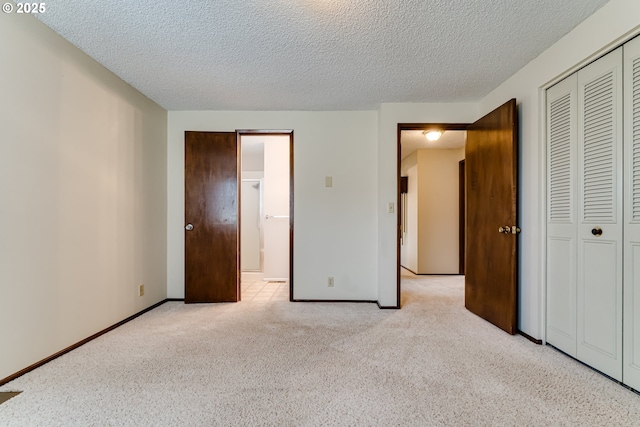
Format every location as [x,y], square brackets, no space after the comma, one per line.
[313,54]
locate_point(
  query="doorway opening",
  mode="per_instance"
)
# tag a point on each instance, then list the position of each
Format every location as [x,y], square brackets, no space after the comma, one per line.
[491,198]
[431,199]
[265,216]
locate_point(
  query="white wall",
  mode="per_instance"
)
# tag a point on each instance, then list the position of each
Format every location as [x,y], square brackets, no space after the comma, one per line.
[335,228]
[389,115]
[610,26]
[438,211]
[431,244]
[409,248]
[250,226]
[276,203]
[82,184]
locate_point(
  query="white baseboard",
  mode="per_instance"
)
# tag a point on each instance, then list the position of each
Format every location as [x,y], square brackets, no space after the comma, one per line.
[251,276]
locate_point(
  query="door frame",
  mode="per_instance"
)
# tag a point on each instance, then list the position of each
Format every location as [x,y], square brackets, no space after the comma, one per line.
[276,132]
[462,213]
[401,127]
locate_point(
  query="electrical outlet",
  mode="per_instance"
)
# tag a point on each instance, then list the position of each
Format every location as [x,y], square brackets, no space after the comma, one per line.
[141,290]
[330,282]
[328,181]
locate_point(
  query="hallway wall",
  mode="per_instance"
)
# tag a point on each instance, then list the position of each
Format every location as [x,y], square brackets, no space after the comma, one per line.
[409,247]
[432,241]
[438,211]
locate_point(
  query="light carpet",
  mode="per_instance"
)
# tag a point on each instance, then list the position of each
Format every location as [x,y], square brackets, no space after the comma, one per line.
[315,364]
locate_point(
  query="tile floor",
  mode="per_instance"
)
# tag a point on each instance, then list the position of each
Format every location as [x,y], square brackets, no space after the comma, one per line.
[259,291]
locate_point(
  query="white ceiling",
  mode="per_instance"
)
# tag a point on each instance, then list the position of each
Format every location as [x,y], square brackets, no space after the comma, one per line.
[313,54]
[412,140]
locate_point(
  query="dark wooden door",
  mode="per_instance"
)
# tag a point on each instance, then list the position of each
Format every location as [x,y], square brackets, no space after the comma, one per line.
[491,163]
[461,216]
[211,217]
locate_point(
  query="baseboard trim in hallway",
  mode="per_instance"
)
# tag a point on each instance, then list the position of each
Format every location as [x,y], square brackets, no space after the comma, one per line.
[351,301]
[387,307]
[530,338]
[80,343]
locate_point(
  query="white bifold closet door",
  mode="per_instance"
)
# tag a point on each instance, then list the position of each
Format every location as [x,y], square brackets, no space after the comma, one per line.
[631,368]
[584,218]
[593,218]
[599,262]
[562,101]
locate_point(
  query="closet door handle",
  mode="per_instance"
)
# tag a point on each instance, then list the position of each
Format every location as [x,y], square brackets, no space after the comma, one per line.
[597,231]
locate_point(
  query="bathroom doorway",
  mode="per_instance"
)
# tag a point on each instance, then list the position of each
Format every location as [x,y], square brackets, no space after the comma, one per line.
[265,225]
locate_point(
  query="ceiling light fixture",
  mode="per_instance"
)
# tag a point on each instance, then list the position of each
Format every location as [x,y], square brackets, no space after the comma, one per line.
[433,135]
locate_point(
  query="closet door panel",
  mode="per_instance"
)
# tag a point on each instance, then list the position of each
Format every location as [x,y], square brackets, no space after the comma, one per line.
[562,214]
[631,359]
[599,300]
[631,364]
[561,294]
[599,261]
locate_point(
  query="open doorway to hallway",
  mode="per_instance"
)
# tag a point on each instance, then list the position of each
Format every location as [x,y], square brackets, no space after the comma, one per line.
[491,197]
[265,217]
[431,224]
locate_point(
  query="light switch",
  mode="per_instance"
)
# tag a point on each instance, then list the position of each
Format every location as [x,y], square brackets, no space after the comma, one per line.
[391,207]
[328,181]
